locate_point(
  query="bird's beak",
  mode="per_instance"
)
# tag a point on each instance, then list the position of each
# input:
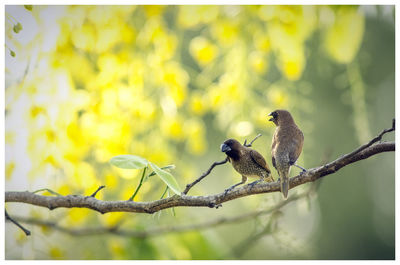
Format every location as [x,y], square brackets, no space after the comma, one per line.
[225,148]
[272,119]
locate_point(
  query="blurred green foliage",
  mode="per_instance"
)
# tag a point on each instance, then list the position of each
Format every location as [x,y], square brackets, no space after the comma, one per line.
[170,83]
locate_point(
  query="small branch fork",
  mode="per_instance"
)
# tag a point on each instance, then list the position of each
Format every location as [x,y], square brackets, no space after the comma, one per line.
[98,189]
[205,174]
[8,218]
[70,201]
[251,143]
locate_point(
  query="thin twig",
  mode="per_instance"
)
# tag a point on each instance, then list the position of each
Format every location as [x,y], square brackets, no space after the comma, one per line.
[251,143]
[270,227]
[165,191]
[205,174]
[374,140]
[98,189]
[248,243]
[140,185]
[164,168]
[48,190]
[26,231]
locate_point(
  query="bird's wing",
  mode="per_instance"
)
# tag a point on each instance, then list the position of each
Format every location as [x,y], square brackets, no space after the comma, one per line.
[297,146]
[273,147]
[259,159]
[273,162]
[274,140]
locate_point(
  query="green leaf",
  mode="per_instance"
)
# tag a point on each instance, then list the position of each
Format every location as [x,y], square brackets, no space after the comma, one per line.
[167,178]
[17,27]
[12,53]
[166,167]
[28,7]
[129,162]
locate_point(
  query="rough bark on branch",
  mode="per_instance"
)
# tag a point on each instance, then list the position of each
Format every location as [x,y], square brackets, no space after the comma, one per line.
[71,201]
[158,231]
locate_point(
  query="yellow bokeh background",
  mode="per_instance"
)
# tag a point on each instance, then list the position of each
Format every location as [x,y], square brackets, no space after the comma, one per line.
[167,83]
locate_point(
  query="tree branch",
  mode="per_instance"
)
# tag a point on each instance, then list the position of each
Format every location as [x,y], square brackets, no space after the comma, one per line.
[8,218]
[79,201]
[205,174]
[164,229]
[71,201]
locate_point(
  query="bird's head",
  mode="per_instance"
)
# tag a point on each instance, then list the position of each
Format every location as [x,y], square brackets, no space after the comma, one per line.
[231,148]
[280,117]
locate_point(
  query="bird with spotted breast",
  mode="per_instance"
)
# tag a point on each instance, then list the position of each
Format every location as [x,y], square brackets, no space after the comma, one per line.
[247,162]
[287,144]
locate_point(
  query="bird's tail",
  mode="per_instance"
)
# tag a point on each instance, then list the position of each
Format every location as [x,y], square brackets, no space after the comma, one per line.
[285,185]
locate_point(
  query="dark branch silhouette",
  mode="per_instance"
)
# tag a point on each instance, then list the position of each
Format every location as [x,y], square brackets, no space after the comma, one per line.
[205,174]
[98,189]
[8,218]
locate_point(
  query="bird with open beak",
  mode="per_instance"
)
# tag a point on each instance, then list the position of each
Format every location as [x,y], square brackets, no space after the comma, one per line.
[247,162]
[287,144]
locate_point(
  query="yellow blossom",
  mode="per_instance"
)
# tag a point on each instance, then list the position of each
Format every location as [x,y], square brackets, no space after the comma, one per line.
[198,103]
[203,50]
[173,127]
[278,97]
[343,38]
[77,216]
[225,31]
[56,253]
[84,38]
[9,170]
[258,62]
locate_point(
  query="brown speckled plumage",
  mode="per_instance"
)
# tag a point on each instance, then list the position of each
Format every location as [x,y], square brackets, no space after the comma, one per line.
[287,144]
[246,161]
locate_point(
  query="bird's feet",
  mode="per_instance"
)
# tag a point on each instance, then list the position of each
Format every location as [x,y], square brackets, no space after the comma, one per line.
[214,205]
[251,185]
[302,168]
[228,190]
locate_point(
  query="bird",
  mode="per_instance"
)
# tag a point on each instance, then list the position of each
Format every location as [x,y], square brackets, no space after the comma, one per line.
[247,162]
[287,144]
